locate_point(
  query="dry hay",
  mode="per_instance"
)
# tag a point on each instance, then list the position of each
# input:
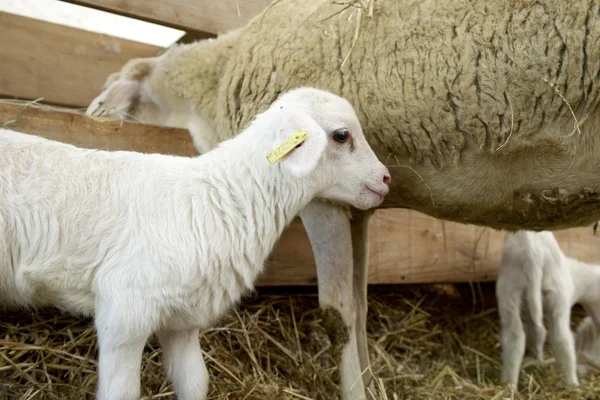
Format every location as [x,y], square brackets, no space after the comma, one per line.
[425,343]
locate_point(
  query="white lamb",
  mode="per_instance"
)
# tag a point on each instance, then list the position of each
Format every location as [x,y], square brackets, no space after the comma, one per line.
[149,243]
[534,269]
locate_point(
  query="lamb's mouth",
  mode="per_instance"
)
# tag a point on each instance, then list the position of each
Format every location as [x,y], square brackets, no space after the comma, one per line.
[378,194]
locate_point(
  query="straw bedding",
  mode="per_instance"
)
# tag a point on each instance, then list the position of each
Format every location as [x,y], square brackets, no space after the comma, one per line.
[426,342]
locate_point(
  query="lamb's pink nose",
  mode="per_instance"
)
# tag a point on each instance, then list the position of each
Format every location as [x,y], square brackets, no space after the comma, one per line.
[387,179]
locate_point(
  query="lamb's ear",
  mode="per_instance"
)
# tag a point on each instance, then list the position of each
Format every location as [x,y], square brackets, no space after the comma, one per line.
[303,159]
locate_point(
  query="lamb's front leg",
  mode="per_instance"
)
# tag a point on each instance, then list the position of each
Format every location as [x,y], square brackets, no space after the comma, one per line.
[535,312]
[184,364]
[328,229]
[512,334]
[121,341]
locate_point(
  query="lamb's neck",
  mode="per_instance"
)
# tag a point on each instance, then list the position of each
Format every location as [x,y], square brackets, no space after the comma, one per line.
[273,197]
[251,200]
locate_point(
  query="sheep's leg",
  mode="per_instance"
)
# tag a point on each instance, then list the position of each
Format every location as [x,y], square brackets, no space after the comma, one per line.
[535,338]
[328,228]
[561,337]
[121,344]
[512,334]
[535,312]
[360,248]
[184,364]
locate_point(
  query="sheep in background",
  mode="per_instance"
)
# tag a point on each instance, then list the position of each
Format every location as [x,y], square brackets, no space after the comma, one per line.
[473,103]
[149,243]
[536,274]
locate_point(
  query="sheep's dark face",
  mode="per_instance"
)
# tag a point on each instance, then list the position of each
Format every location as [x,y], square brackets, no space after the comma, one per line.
[125,95]
[336,154]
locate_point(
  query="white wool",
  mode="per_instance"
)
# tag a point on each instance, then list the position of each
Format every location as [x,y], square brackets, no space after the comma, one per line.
[536,275]
[150,243]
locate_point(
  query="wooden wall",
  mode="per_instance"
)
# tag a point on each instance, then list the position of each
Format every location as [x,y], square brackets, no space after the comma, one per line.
[63,65]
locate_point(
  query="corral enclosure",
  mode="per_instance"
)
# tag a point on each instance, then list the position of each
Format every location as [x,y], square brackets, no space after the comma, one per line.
[50,72]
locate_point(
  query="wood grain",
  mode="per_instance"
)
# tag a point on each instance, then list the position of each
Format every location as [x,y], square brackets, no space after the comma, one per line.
[95,133]
[208,16]
[63,65]
[410,247]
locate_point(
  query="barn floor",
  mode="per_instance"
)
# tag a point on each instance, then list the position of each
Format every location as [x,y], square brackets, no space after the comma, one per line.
[426,342]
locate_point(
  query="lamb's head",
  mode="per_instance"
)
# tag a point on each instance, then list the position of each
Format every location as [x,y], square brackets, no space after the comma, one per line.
[335,154]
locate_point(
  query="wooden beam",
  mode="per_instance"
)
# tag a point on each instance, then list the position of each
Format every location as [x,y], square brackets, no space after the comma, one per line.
[210,16]
[94,133]
[63,65]
[405,246]
[410,247]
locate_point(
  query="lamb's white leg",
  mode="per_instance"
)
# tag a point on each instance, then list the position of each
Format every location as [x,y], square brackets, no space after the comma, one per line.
[184,364]
[561,337]
[121,341]
[512,333]
[535,338]
[328,228]
[533,296]
[360,248]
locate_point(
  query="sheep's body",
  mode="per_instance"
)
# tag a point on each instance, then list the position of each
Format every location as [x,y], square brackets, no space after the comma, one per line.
[464,99]
[535,273]
[440,86]
[156,243]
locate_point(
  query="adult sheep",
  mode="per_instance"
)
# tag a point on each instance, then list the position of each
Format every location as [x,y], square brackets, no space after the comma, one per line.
[485,113]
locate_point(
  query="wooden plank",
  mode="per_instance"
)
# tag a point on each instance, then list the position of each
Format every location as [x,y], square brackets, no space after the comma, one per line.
[406,246]
[61,64]
[292,262]
[214,17]
[95,133]
[410,247]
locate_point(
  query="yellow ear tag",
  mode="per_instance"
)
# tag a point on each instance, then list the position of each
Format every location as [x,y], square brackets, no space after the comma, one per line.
[288,145]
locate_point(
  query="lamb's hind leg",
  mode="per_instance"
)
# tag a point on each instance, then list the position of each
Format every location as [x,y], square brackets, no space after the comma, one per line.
[328,229]
[561,337]
[360,249]
[184,364]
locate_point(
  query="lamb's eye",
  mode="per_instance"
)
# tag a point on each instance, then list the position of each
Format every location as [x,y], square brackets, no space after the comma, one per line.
[341,135]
